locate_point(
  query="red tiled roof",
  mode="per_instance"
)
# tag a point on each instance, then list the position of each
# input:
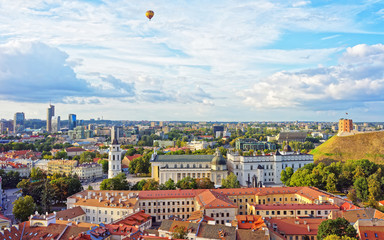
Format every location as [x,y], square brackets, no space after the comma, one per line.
[169,193]
[211,199]
[371,232]
[293,226]
[294,206]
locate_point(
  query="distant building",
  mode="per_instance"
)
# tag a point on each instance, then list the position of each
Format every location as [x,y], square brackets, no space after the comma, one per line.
[218,131]
[74,151]
[18,122]
[50,114]
[164,143]
[178,167]
[291,136]
[71,121]
[56,125]
[345,125]
[80,133]
[6,126]
[252,144]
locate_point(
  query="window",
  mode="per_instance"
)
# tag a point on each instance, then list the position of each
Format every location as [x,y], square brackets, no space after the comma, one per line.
[376,235]
[318,212]
[267,213]
[273,212]
[365,235]
[278,212]
[227,214]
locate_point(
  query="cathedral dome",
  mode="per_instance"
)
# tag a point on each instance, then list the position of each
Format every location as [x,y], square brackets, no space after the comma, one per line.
[287,148]
[218,159]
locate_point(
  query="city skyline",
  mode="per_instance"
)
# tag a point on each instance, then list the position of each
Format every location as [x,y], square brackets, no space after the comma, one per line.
[197,61]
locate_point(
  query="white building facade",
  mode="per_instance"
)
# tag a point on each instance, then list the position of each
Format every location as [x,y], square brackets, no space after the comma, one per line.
[177,167]
[89,171]
[258,171]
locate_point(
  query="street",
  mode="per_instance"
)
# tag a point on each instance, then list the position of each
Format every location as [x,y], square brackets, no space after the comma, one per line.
[11,196]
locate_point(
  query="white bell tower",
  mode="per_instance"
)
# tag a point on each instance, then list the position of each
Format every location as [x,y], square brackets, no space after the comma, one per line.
[114,161]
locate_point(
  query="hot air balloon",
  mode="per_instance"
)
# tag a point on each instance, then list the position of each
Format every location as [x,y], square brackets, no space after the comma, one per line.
[149,14]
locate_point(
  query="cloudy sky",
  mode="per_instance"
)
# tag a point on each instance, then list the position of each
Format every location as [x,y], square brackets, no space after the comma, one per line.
[218,60]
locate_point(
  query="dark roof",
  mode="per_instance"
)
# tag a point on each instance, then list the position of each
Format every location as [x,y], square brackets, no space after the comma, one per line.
[212,231]
[70,213]
[183,158]
[166,225]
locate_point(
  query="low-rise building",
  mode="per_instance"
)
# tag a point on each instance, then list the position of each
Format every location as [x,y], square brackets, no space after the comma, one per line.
[9,166]
[292,210]
[74,151]
[293,228]
[252,144]
[198,231]
[261,170]
[61,166]
[88,171]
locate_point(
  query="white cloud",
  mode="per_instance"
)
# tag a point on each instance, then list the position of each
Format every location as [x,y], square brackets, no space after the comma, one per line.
[359,78]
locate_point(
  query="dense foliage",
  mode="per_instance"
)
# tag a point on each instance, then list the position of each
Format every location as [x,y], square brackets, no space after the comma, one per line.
[23,207]
[117,183]
[185,183]
[339,227]
[9,179]
[49,190]
[364,180]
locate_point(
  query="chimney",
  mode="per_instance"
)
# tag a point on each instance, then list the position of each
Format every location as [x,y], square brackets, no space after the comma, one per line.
[309,229]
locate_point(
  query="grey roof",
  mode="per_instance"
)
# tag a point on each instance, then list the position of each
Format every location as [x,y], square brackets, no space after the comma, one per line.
[183,158]
[166,225]
[212,231]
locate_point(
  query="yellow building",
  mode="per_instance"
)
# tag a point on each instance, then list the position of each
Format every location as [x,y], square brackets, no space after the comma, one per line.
[61,166]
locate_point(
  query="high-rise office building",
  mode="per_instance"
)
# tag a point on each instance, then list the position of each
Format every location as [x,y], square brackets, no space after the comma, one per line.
[50,114]
[18,122]
[72,121]
[56,124]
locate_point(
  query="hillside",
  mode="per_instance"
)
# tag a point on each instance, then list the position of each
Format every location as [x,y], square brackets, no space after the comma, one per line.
[360,146]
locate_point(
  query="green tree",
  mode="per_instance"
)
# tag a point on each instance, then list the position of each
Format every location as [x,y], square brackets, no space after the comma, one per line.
[339,227]
[90,187]
[168,185]
[374,187]
[47,196]
[286,175]
[179,232]
[23,207]
[37,174]
[61,155]
[104,164]
[187,183]
[87,156]
[335,237]
[151,184]
[230,181]
[205,183]
[116,183]
[361,187]
[331,183]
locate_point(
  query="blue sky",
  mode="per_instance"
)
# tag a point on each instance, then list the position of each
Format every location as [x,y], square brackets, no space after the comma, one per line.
[216,60]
